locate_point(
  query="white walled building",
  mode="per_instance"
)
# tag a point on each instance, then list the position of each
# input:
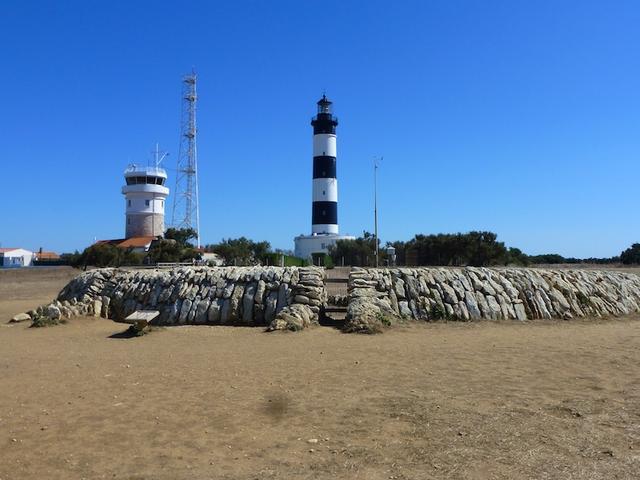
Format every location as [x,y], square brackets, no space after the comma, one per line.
[307,245]
[15,257]
[145,195]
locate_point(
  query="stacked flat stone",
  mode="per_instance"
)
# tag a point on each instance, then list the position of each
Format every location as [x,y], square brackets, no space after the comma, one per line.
[489,293]
[309,297]
[200,295]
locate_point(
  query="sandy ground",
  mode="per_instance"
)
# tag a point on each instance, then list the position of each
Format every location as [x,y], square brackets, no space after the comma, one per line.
[556,400]
[22,289]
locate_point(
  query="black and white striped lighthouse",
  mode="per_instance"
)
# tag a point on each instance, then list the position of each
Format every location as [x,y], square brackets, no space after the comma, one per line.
[324,213]
[324,217]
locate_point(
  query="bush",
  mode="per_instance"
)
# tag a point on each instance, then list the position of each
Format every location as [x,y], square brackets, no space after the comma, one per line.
[437,312]
[44,321]
[328,262]
[275,259]
[383,319]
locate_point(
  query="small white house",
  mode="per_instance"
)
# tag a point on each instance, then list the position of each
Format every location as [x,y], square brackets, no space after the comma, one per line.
[15,257]
[308,245]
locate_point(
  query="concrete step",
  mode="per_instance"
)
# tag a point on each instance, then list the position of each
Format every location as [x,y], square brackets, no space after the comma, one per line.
[335,309]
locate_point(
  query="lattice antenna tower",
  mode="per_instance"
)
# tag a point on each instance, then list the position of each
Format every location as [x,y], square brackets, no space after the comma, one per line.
[186,211]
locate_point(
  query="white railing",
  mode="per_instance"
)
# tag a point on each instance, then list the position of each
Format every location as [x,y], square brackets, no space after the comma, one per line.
[142,170]
[174,264]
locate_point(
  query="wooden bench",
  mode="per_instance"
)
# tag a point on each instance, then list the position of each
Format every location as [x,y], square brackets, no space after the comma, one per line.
[140,319]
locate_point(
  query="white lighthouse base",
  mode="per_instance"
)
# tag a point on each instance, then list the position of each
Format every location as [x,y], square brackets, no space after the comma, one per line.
[307,245]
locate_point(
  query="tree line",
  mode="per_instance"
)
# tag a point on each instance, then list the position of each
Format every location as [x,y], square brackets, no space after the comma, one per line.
[476,248]
[177,246]
[473,248]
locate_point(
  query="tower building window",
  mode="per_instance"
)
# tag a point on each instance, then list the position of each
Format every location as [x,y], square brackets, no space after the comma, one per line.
[146,202]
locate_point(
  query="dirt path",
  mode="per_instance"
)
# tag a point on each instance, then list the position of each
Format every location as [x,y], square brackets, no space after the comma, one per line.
[556,400]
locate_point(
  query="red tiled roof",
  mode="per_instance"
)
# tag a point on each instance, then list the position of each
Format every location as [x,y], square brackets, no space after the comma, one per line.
[111,242]
[47,256]
[136,242]
[132,242]
[5,250]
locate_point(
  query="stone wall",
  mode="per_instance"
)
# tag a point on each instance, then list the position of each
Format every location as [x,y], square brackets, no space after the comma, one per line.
[282,298]
[487,293]
[292,298]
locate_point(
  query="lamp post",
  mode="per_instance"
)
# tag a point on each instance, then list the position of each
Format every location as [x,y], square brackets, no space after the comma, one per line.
[376,162]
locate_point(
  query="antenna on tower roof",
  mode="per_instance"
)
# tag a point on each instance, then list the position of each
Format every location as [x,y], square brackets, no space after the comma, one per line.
[158,156]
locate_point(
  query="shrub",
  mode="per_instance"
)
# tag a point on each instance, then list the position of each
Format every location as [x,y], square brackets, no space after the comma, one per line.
[383,319]
[437,312]
[44,321]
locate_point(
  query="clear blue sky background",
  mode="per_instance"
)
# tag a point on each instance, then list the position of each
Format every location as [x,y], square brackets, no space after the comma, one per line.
[513,116]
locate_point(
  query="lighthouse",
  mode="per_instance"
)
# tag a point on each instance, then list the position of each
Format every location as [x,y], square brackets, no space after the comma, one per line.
[324,217]
[145,194]
[324,209]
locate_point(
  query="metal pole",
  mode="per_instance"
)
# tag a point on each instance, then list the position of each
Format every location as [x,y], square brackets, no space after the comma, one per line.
[375,205]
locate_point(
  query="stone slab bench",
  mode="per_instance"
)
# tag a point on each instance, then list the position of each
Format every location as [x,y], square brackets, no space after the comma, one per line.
[140,319]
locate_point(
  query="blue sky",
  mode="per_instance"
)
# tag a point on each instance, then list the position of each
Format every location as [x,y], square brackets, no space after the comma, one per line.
[513,116]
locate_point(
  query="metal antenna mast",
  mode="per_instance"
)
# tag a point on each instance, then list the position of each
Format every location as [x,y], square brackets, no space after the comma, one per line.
[186,211]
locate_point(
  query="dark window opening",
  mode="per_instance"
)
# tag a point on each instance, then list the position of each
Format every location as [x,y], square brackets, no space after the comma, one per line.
[145,180]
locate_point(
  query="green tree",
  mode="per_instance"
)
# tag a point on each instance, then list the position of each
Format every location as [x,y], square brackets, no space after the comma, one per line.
[241,251]
[181,235]
[359,252]
[631,255]
[475,248]
[174,247]
[107,255]
[548,258]
[515,256]
[171,251]
[71,258]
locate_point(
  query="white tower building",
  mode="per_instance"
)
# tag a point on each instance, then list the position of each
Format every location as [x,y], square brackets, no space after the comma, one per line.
[324,211]
[145,194]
